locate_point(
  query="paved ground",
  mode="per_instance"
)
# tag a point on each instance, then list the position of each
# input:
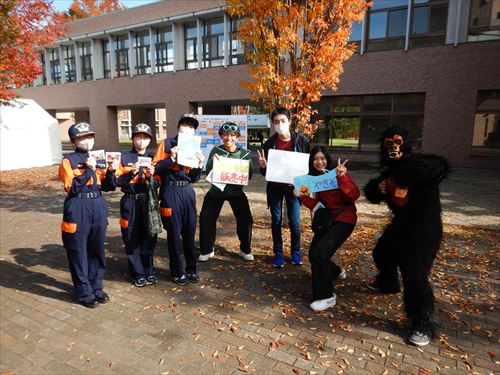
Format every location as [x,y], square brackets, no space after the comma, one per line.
[244,317]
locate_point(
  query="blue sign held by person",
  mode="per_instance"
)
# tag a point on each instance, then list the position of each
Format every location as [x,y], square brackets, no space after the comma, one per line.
[314,184]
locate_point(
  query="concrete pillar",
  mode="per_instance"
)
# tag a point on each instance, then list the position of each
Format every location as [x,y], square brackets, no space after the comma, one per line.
[152,50]
[179,52]
[458,21]
[96,59]
[39,80]
[174,111]
[78,63]
[145,115]
[131,54]
[62,64]
[104,121]
[199,40]
[82,116]
[112,57]
[227,41]
[47,68]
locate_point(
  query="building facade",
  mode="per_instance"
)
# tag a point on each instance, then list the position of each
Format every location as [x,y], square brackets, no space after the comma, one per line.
[431,66]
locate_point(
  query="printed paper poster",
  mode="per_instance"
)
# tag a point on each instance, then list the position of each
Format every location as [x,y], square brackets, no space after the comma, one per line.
[144,161]
[312,184]
[113,156]
[188,146]
[230,171]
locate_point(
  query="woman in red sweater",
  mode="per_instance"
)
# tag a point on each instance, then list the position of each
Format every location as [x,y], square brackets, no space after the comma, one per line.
[324,244]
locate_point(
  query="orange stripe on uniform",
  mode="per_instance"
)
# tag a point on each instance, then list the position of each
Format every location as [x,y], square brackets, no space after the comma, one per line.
[68,227]
[123,223]
[160,154]
[66,174]
[165,211]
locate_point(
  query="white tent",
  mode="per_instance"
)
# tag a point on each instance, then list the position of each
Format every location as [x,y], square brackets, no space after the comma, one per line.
[29,136]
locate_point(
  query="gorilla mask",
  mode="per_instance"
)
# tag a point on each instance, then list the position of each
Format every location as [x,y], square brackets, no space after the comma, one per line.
[393,146]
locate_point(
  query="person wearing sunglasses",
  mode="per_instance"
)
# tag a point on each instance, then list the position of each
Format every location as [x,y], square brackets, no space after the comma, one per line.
[287,140]
[233,193]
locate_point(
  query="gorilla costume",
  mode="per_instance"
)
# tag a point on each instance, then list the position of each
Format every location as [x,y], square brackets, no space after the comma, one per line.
[409,185]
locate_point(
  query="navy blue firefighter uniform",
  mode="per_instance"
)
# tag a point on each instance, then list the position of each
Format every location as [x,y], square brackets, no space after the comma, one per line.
[139,246]
[84,225]
[177,208]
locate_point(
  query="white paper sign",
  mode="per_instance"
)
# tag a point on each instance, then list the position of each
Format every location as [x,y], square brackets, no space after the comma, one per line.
[100,158]
[97,154]
[230,171]
[113,156]
[216,184]
[188,146]
[144,161]
[283,166]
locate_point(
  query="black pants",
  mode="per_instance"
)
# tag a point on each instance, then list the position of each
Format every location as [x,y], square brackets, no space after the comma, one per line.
[209,214]
[323,246]
[413,251]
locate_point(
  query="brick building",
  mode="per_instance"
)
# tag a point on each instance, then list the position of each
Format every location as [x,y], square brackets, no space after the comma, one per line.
[429,65]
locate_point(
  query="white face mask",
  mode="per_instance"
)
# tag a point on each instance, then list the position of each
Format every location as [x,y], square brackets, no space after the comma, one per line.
[84,144]
[188,130]
[282,129]
[141,144]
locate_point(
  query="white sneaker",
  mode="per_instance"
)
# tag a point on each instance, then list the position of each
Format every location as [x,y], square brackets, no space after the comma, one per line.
[342,275]
[323,304]
[419,339]
[205,257]
[246,256]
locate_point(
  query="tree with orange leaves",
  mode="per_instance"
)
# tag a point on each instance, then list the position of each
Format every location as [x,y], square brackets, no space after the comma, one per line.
[87,8]
[25,26]
[295,49]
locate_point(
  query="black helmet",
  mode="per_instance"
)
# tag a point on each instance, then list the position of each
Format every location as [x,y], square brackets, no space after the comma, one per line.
[79,130]
[142,128]
[188,119]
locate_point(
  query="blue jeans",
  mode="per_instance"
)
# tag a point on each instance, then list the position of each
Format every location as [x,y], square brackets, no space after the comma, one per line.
[275,195]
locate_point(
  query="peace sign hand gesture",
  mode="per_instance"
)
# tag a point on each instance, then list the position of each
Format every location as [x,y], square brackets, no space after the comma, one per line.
[341,168]
[262,159]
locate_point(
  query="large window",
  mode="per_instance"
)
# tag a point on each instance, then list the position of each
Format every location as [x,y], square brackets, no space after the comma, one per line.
[428,22]
[69,63]
[86,61]
[191,45]
[387,21]
[357,32]
[106,59]
[164,50]
[387,24]
[121,53]
[237,50]
[486,136]
[142,59]
[55,66]
[213,43]
[356,122]
[484,23]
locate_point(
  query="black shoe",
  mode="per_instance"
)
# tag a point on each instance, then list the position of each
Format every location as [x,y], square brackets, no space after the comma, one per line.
[102,297]
[193,277]
[140,282]
[151,280]
[91,304]
[182,281]
[375,287]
